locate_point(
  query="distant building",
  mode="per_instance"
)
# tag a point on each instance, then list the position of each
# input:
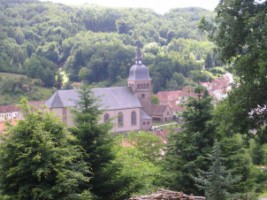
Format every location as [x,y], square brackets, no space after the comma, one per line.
[176,99]
[9,112]
[128,107]
[13,112]
[218,89]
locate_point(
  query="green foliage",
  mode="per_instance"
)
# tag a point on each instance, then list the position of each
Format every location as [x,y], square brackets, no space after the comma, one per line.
[217,71]
[38,67]
[107,181]
[186,150]
[147,143]
[201,76]
[208,62]
[239,33]
[142,164]
[154,99]
[217,180]
[239,161]
[13,87]
[38,38]
[38,160]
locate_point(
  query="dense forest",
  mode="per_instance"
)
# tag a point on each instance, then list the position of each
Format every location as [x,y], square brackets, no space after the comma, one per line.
[53,45]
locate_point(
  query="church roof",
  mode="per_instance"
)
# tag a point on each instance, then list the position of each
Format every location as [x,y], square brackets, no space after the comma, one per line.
[139,72]
[145,116]
[112,98]
[63,98]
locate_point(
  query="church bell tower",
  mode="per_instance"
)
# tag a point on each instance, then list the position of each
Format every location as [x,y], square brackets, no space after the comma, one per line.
[140,81]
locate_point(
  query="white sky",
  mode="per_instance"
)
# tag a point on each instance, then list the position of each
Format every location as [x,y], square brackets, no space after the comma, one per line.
[160,6]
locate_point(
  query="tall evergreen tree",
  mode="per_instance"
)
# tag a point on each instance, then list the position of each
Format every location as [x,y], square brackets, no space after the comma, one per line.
[187,149]
[217,179]
[38,160]
[106,182]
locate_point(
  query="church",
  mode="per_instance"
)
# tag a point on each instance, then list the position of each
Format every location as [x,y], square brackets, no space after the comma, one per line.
[128,108]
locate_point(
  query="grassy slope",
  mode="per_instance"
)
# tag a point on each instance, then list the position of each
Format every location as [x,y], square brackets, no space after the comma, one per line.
[36,93]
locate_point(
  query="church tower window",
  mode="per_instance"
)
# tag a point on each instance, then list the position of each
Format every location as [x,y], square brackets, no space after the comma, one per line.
[133,118]
[120,119]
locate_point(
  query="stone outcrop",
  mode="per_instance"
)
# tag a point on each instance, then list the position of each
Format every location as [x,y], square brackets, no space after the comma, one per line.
[167,195]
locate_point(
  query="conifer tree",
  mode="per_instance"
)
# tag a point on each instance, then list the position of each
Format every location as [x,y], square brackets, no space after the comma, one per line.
[186,149]
[217,179]
[38,161]
[106,181]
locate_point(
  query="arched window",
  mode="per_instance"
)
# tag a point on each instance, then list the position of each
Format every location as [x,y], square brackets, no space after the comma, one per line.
[106,117]
[133,118]
[120,119]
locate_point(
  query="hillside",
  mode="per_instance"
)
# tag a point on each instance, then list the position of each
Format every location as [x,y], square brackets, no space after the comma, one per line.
[98,44]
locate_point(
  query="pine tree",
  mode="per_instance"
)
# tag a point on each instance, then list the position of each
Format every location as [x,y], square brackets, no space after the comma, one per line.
[217,179]
[106,180]
[38,160]
[186,149]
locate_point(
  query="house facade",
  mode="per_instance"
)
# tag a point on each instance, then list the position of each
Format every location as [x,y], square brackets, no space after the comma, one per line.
[13,112]
[9,112]
[128,108]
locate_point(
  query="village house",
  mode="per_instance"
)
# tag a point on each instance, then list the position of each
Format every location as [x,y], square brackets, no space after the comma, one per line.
[175,99]
[12,113]
[218,89]
[9,112]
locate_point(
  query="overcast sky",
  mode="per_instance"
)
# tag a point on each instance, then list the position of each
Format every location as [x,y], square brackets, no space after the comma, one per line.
[160,6]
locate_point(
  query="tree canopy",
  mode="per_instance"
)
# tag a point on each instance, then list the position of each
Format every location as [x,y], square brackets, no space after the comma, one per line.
[38,160]
[98,44]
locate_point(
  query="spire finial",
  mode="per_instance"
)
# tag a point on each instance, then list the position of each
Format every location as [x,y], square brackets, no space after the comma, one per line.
[139,56]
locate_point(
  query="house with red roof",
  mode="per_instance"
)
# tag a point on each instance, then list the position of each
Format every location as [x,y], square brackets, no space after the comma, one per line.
[218,89]
[176,99]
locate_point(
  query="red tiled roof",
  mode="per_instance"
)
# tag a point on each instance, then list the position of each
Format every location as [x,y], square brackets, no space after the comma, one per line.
[173,98]
[9,108]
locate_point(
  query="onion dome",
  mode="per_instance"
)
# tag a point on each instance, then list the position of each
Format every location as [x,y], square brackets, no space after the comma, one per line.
[139,71]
